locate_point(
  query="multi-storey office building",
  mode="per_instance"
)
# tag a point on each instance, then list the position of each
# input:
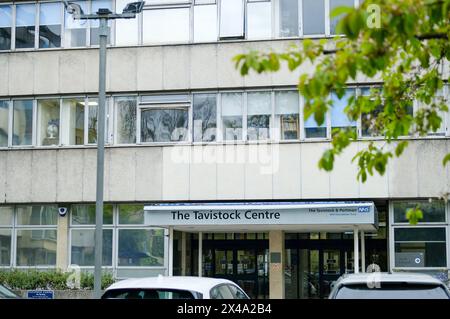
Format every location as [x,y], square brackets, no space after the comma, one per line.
[184,128]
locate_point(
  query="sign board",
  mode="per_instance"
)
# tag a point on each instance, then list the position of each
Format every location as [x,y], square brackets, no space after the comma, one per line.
[40,294]
[262,213]
[410,259]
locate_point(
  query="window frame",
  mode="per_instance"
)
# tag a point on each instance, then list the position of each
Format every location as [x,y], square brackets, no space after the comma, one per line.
[114,133]
[12,25]
[38,26]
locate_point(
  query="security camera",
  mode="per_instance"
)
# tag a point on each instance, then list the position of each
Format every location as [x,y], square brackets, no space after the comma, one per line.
[62,211]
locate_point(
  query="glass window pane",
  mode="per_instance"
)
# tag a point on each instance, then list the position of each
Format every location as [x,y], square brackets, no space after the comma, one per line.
[433,212]
[37,215]
[286,113]
[164,125]
[22,122]
[85,214]
[166,25]
[4,119]
[334,4]
[92,120]
[313,17]
[75,30]
[141,247]
[25,25]
[5,246]
[126,120]
[288,18]
[232,109]
[205,1]
[313,130]
[205,117]
[36,247]
[339,118]
[82,248]
[259,108]
[232,19]
[96,5]
[126,29]
[205,23]
[48,122]
[6,215]
[259,20]
[131,214]
[419,234]
[369,127]
[5,27]
[50,25]
[73,122]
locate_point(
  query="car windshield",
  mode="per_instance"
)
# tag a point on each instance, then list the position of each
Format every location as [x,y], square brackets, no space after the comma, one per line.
[148,294]
[6,293]
[392,291]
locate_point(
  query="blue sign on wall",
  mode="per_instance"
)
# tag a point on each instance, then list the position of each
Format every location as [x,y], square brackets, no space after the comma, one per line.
[40,294]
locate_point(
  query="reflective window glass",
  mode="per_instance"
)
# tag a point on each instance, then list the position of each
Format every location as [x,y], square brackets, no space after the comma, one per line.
[335,4]
[205,117]
[48,122]
[313,17]
[339,118]
[433,212]
[166,25]
[288,18]
[25,25]
[131,214]
[287,114]
[259,24]
[313,130]
[22,122]
[73,121]
[37,215]
[75,30]
[126,120]
[232,108]
[5,246]
[93,120]
[205,23]
[36,247]
[50,25]
[126,29]
[5,27]
[259,108]
[232,19]
[6,215]
[95,6]
[164,125]
[4,120]
[141,247]
[82,247]
[85,214]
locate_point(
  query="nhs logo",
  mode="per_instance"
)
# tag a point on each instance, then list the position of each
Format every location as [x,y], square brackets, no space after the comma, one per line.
[364,209]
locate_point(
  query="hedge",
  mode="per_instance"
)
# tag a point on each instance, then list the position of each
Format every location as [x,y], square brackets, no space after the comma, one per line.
[52,280]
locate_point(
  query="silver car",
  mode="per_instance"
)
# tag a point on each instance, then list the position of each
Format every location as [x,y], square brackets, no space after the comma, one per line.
[379,285]
[5,293]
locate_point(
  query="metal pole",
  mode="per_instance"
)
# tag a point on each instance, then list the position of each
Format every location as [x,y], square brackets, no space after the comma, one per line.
[103,32]
[200,253]
[363,251]
[170,251]
[355,250]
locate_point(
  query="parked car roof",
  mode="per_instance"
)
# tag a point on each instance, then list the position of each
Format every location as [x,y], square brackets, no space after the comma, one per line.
[409,277]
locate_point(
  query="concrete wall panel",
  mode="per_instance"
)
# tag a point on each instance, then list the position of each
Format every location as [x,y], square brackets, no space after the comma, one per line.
[287,171]
[44,176]
[149,163]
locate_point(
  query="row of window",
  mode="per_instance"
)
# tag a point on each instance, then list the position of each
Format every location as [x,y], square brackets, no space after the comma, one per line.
[28,236]
[47,25]
[266,115]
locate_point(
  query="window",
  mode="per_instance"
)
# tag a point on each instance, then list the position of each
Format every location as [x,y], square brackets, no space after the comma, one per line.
[313,17]
[5,27]
[4,119]
[205,117]
[420,247]
[50,25]
[369,126]
[6,216]
[37,215]
[85,214]
[22,122]
[25,25]
[221,292]
[168,25]
[126,120]
[126,29]
[76,30]
[289,18]
[232,19]
[92,111]
[232,110]
[141,247]
[259,17]
[433,212]
[82,247]
[36,247]
[5,247]
[205,22]
[438,99]
[48,122]
[73,121]
[96,5]
[333,5]
[287,114]
[259,110]
[131,214]
[339,119]
[313,130]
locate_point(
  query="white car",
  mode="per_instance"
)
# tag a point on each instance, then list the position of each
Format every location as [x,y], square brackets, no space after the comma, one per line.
[400,285]
[174,287]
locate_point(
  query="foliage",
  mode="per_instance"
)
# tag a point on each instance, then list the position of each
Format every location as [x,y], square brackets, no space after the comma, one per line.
[54,280]
[403,44]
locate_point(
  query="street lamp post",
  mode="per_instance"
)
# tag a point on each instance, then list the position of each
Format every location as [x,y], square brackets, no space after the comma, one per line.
[103,15]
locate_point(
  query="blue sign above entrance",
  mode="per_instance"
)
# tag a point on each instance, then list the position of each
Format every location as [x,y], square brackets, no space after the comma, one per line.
[40,294]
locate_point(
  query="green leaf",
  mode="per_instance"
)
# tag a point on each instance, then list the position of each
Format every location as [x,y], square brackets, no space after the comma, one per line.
[400,148]
[446,159]
[340,10]
[413,215]
[327,160]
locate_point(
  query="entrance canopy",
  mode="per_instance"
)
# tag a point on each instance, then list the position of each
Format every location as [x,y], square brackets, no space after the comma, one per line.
[264,216]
